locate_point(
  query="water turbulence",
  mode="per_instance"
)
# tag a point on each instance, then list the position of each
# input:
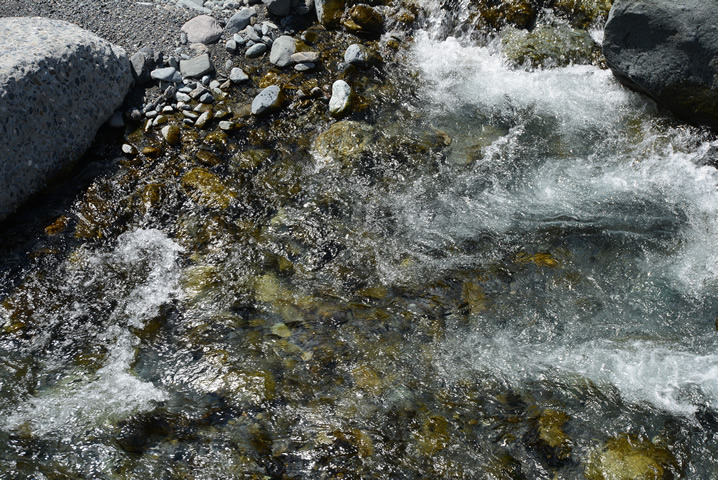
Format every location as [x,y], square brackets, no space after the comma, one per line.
[507,275]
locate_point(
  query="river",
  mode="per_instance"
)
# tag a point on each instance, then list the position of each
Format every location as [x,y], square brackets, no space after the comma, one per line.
[511,275]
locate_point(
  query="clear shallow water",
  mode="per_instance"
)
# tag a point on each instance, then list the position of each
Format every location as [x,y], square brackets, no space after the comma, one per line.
[413,314]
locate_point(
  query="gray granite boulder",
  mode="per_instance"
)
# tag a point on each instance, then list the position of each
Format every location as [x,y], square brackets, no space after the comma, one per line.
[58,85]
[669,51]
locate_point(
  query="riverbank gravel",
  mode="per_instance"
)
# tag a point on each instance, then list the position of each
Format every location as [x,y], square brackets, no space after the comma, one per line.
[127,23]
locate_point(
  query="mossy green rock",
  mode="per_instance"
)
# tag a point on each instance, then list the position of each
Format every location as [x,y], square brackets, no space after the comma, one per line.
[629,458]
[548,46]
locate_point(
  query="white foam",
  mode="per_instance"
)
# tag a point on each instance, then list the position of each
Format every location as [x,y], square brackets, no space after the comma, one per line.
[77,404]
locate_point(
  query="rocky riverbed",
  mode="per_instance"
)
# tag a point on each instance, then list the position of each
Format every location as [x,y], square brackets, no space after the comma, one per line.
[381,244]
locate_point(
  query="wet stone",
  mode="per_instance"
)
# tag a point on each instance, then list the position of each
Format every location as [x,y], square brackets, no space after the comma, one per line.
[256,50]
[270,99]
[171,134]
[341,98]
[237,75]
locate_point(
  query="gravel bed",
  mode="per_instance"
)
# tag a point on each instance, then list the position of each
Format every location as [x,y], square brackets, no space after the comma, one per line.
[128,23]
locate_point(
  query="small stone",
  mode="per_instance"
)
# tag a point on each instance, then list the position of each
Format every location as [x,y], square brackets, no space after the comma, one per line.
[128,149]
[357,54]
[205,80]
[239,39]
[267,40]
[168,109]
[300,57]
[367,18]
[188,121]
[256,50]
[214,84]
[282,50]
[190,114]
[169,93]
[226,125]
[341,98]
[182,97]
[202,29]
[134,115]
[206,98]
[151,114]
[268,100]
[304,66]
[197,92]
[173,62]
[237,75]
[231,46]
[142,64]
[166,74]
[201,122]
[196,67]
[251,34]
[240,20]
[171,134]
[159,120]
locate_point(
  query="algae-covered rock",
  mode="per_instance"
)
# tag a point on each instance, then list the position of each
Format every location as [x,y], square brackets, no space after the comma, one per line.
[583,13]
[434,435]
[519,13]
[345,143]
[628,457]
[548,46]
[552,439]
[207,189]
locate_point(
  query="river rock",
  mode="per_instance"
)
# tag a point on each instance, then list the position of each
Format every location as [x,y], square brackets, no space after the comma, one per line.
[278,7]
[237,75]
[58,85]
[240,20]
[196,67]
[143,62]
[166,74]
[171,134]
[329,12]
[256,50]
[341,98]
[282,50]
[667,50]
[357,54]
[365,19]
[345,143]
[269,100]
[202,29]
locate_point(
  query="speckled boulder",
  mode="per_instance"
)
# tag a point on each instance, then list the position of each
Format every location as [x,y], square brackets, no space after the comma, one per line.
[58,85]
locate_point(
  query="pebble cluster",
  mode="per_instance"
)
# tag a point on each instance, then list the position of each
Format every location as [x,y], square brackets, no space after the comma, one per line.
[191,87]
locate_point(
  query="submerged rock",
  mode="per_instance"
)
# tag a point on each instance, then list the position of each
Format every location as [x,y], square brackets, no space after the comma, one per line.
[345,142]
[54,96]
[667,50]
[629,458]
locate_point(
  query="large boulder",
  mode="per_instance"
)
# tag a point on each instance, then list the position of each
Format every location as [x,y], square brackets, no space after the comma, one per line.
[58,85]
[669,51]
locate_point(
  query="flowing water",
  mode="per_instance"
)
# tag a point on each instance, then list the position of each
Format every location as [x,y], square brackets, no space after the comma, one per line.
[510,305]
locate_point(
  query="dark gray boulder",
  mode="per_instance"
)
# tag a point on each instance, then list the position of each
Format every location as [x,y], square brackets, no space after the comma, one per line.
[58,85]
[669,51]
